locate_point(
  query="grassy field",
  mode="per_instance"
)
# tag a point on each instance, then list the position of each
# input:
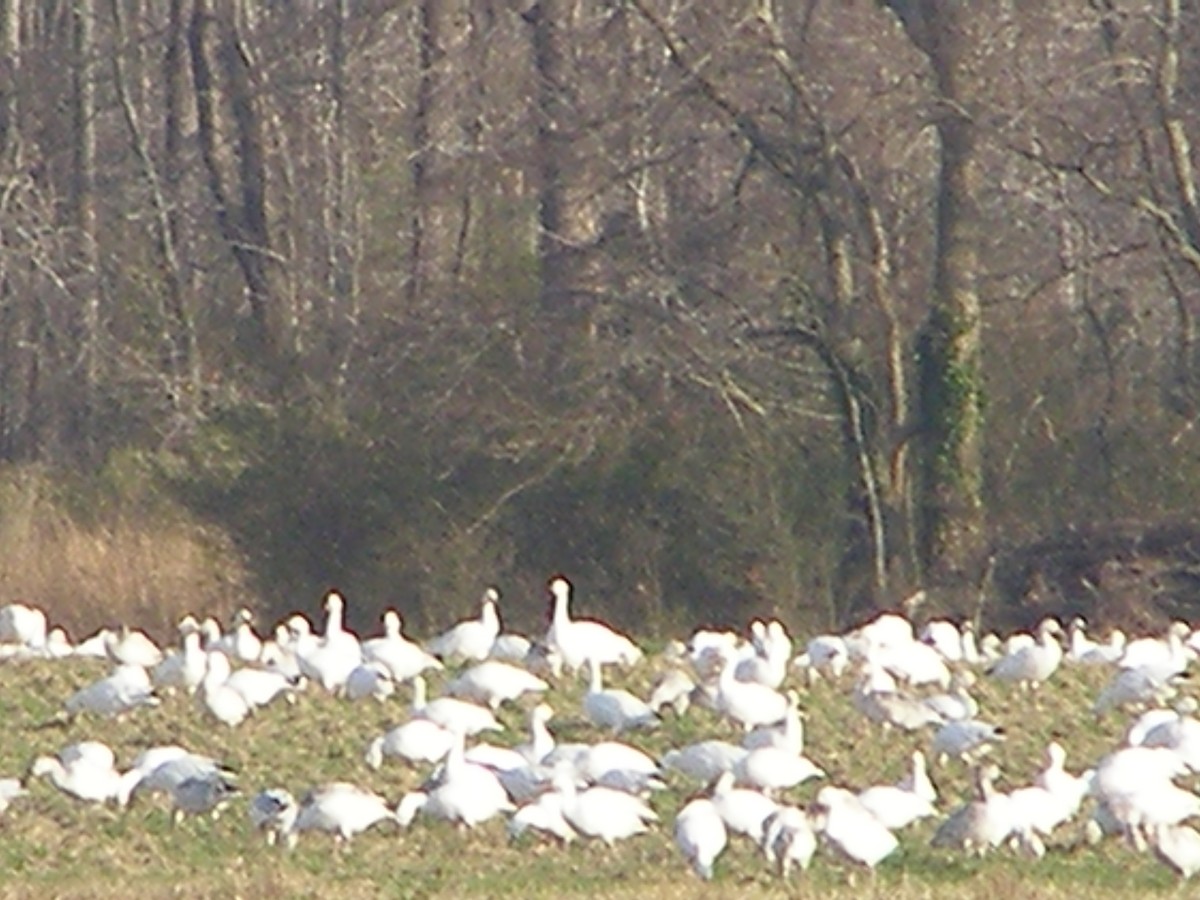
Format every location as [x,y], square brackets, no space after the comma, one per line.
[54,846]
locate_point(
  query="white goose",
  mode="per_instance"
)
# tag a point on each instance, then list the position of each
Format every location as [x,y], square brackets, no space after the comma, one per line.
[788,735]
[183,668]
[494,682]
[700,835]
[127,647]
[23,625]
[601,812]
[896,807]
[86,771]
[542,813]
[10,790]
[773,769]
[124,690]
[704,761]
[1030,664]
[274,812]
[789,839]
[983,822]
[1178,846]
[226,704]
[416,741]
[472,639]
[851,828]
[458,716]
[341,809]
[330,659]
[460,791]
[577,641]
[402,657]
[748,703]
[614,709]
[743,811]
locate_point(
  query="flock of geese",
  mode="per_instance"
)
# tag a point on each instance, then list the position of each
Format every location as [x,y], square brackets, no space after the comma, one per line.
[743,778]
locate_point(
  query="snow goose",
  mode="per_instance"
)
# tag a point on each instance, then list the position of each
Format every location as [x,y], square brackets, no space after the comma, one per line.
[10,790]
[370,679]
[917,780]
[601,812]
[894,806]
[341,809]
[541,741]
[494,682]
[789,839]
[330,659]
[402,657]
[913,664]
[226,704]
[460,792]
[613,709]
[471,640]
[956,703]
[274,812]
[579,640]
[127,647]
[125,689]
[543,813]
[511,647]
[787,735]
[200,795]
[704,761]
[748,703]
[1178,846]
[458,716]
[980,824]
[743,811]
[260,686]
[1067,788]
[894,710]
[825,655]
[1135,687]
[1180,733]
[674,688]
[23,625]
[1029,665]
[1136,786]
[700,835]
[93,646]
[944,637]
[183,668]
[279,655]
[86,771]
[885,630]
[416,741]
[609,763]
[164,768]
[1168,655]
[773,769]
[964,739]
[772,648]
[852,829]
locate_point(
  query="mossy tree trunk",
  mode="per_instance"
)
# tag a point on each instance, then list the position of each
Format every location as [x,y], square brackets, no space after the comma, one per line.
[950,400]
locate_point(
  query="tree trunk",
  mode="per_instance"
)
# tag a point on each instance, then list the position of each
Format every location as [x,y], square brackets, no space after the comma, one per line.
[949,348]
[84,332]
[229,128]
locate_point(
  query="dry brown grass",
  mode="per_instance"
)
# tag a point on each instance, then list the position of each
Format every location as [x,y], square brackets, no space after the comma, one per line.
[123,562]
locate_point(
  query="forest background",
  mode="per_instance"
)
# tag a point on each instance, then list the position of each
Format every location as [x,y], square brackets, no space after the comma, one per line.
[724,309]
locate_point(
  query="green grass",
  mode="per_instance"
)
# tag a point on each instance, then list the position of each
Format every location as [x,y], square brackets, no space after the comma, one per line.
[52,845]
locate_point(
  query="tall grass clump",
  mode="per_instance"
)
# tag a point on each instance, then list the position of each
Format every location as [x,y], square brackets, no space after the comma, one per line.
[113,550]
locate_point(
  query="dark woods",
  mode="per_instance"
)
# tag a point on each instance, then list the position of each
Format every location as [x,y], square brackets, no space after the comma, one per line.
[724,309]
